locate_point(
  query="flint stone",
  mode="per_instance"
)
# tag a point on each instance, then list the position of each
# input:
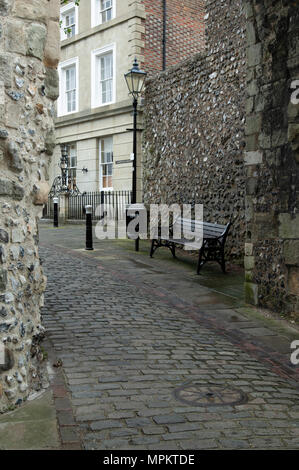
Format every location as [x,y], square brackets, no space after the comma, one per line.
[5,7]
[9,361]
[13,153]
[2,255]
[15,95]
[3,134]
[11,189]
[3,279]
[3,234]
[3,312]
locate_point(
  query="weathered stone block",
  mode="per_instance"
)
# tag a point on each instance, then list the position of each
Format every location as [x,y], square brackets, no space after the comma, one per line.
[293,280]
[6,69]
[36,39]
[250,33]
[249,263]
[252,88]
[253,158]
[289,226]
[251,293]
[251,143]
[251,186]
[50,142]
[52,47]
[253,124]
[15,36]
[265,226]
[291,252]
[254,55]
[52,83]
[31,10]
[248,249]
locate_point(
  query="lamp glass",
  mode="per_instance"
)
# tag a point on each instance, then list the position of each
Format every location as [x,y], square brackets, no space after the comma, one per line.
[135,80]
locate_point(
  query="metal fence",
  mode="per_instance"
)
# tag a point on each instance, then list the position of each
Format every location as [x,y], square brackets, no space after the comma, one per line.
[116,200]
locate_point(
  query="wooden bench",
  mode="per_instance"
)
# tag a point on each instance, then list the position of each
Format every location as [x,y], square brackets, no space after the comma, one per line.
[210,244]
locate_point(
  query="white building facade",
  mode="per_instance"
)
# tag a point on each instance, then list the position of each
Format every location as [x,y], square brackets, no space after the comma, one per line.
[99,40]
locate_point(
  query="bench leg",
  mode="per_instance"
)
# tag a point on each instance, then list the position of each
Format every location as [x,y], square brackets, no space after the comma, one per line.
[152,248]
[199,261]
[172,248]
[223,261]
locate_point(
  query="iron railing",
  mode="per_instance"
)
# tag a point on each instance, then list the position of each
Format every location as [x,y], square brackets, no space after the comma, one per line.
[117,200]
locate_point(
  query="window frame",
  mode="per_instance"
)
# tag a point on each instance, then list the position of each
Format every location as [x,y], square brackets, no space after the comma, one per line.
[73,169]
[96,96]
[96,18]
[62,101]
[63,13]
[101,165]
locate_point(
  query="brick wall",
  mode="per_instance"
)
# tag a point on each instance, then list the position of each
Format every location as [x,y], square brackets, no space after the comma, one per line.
[184,32]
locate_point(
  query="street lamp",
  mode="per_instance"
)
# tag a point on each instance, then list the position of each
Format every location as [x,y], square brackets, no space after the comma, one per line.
[135,80]
[64,160]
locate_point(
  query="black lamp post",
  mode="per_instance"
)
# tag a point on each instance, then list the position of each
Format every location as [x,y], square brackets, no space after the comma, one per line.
[64,163]
[135,79]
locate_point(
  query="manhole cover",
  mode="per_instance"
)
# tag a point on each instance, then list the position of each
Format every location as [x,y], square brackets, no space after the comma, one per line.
[210,395]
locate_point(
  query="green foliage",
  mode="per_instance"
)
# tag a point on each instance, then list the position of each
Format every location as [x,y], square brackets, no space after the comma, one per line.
[63,2]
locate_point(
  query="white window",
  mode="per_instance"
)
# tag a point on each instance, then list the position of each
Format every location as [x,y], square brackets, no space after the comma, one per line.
[69,21]
[102,11]
[106,10]
[103,77]
[68,83]
[106,164]
[73,162]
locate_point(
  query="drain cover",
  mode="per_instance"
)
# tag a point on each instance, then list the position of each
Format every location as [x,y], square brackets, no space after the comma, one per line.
[210,395]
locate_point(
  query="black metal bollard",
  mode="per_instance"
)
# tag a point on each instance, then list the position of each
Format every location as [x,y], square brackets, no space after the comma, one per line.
[55,202]
[89,244]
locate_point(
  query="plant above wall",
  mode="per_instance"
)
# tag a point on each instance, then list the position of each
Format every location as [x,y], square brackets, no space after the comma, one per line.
[65,2]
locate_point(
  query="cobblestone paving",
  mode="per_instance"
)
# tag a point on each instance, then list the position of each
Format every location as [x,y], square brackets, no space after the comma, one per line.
[124,353]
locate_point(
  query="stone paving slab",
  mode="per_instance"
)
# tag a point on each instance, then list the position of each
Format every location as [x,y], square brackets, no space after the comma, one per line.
[127,344]
[33,426]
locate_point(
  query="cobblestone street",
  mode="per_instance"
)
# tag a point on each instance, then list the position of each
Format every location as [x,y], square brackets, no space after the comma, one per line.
[130,331]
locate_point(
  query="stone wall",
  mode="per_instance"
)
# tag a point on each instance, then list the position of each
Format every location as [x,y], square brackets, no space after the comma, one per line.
[29,53]
[194,126]
[272,155]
